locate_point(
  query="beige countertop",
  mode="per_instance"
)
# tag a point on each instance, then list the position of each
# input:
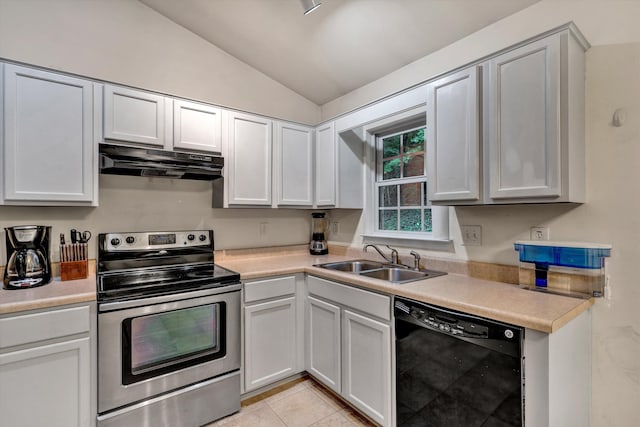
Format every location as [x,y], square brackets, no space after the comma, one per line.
[53,294]
[499,301]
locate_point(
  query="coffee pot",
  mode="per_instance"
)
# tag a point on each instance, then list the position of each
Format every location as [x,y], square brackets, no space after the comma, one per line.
[28,264]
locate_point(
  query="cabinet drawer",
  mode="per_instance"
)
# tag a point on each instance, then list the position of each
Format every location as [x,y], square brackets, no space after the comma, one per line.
[27,328]
[269,288]
[365,301]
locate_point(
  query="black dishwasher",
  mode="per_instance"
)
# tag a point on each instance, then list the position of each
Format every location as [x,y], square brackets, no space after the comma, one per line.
[456,370]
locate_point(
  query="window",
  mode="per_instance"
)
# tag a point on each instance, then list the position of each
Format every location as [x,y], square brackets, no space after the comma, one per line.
[401,182]
[398,210]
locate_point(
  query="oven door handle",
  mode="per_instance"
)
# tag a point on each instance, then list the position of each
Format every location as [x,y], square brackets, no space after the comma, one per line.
[120,305]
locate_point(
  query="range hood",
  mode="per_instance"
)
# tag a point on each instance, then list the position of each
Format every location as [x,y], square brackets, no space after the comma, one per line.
[120,160]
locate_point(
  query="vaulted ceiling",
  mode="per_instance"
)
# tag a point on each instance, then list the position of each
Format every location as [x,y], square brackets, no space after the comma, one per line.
[342,45]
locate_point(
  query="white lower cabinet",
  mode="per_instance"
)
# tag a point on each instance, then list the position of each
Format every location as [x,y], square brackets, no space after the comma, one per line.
[272,347]
[348,345]
[45,369]
[366,370]
[324,347]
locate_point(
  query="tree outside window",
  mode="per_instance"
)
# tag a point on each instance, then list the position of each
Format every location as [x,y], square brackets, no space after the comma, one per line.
[401,183]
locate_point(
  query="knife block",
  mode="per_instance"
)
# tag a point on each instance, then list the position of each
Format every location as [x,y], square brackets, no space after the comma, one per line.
[73,270]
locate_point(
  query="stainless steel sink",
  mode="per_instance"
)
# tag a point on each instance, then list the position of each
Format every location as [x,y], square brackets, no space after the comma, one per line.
[401,275]
[355,266]
[391,273]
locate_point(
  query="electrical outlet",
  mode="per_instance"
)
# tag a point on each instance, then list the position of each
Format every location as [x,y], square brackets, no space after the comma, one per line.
[471,235]
[263,228]
[539,233]
[334,227]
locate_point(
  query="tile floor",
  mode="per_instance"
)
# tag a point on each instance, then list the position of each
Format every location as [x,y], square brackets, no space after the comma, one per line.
[303,404]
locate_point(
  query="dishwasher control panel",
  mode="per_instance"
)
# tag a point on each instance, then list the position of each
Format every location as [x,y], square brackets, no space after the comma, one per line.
[454,323]
[449,325]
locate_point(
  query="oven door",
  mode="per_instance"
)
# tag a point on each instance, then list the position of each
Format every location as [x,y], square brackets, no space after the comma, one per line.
[150,346]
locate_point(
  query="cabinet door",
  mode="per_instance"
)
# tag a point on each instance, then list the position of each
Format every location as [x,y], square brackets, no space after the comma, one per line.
[453,137]
[325,165]
[48,137]
[524,122]
[366,372]
[250,140]
[323,342]
[47,385]
[134,116]
[197,126]
[270,342]
[294,164]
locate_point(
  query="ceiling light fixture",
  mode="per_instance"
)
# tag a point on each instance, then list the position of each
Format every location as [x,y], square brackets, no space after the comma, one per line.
[309,5]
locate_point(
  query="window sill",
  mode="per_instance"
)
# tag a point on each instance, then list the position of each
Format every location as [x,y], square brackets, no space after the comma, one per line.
[409,241]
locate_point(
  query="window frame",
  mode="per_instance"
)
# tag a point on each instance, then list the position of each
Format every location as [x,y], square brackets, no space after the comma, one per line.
[380,182]
[398,123]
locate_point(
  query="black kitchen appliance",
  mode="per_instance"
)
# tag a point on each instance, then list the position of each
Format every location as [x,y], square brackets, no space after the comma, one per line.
[456,370]
[28,250]
[135,161]
[319,228]
[168,330]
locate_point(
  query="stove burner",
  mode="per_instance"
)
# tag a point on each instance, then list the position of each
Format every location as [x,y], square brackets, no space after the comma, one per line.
[135,272]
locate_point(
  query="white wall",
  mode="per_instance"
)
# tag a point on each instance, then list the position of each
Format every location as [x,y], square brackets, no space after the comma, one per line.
[612,212]
[601,21]
[140,204]
[126,42]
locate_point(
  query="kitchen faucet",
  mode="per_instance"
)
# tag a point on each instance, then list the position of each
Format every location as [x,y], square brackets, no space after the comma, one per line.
[416,260]
[394,253]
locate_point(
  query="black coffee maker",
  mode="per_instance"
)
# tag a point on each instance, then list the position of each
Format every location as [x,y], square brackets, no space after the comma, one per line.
[28,248]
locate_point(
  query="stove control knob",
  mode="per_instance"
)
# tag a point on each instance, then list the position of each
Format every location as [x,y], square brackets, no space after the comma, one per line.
[415,313]
[508,333]
[191,237]
[130,239]
[115,241]
[202,237]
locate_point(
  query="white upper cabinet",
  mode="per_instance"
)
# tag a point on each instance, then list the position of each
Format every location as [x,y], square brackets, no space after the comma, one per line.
[511,130]
[140,117]
[134,116]
[49,153]
[524,122]
[535,121]
[453,136]
[197,126]
[294,164]
[325,172]
[249,159]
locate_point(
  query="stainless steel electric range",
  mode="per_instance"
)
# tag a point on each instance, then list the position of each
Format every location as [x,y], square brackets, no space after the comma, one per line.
[168,330]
